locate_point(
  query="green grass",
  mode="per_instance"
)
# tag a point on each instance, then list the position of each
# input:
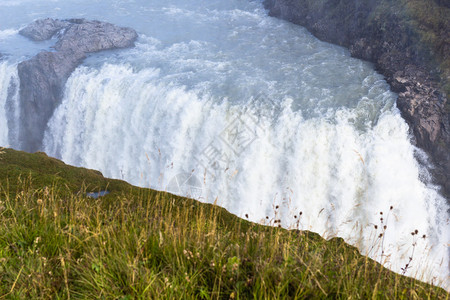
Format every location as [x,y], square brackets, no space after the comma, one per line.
[136,243]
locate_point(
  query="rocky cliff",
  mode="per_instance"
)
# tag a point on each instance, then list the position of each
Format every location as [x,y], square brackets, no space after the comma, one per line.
[42,78]
[409,42]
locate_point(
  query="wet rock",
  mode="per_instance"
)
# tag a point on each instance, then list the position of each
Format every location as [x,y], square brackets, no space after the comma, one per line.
[93,36]
[42,30]
[423,106]
[42,78]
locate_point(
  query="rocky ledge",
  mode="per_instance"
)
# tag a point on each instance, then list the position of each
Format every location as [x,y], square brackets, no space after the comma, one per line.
[42,78]
[409,43]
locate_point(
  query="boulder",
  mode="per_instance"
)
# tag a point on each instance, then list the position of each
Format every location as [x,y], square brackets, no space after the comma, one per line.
[41,30]
[93,36]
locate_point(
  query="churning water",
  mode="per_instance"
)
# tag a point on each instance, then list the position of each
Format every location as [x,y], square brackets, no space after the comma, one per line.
[222,103]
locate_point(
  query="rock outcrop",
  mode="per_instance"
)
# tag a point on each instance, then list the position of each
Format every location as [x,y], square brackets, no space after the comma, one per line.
[42,78]
[408,43]
[42,30]
[93,36]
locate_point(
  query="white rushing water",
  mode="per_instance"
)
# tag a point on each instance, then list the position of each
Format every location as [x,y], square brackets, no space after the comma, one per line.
[9,93]
[219,102]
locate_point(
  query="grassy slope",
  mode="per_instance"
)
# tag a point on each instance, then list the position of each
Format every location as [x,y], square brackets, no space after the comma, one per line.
[139,243]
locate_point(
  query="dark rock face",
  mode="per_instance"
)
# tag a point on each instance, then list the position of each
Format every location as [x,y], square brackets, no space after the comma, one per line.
[377,32]
[423,107]
[42,78]
[445,3]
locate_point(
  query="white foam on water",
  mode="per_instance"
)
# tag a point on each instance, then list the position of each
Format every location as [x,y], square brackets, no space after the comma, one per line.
[7,33]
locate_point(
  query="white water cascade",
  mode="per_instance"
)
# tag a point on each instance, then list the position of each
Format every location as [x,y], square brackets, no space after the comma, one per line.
[222,103]
[9,95]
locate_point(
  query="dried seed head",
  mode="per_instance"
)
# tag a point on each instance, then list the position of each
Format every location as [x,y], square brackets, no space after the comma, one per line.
[267,217]
[384,226]
[416,231]
[424,236]
[380,235]
[391,208]
[301,213]
[276,207]
[295,217]
[246,215]
[376,227]
[381,212]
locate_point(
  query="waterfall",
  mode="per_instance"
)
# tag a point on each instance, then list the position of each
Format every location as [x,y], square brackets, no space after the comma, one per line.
[9,95]
[341,170]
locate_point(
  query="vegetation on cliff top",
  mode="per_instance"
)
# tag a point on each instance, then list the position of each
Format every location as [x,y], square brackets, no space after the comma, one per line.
[138,243]
[431,22]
